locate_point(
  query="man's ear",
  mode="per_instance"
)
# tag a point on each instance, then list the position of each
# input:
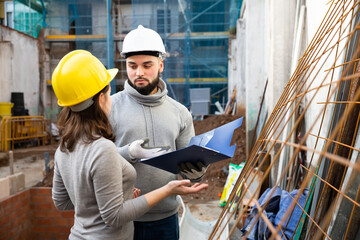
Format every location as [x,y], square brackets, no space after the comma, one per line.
[161,65]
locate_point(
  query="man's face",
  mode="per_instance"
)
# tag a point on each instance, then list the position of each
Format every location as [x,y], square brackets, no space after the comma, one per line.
[143,72]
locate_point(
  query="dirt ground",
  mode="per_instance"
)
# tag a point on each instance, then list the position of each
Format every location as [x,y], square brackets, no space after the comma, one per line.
[203,205]
[30,161]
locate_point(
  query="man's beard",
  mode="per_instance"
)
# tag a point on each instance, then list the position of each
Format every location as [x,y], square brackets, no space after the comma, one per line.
[146,90]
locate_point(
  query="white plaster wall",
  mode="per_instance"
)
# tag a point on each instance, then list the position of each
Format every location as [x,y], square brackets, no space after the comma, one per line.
[255,62]
[236,65]
[6,53]
[20,54]
[316,11]
[280,42]
[281,16]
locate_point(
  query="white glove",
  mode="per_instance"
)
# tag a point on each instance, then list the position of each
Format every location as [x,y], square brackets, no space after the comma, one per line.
[193,172]
[137,150]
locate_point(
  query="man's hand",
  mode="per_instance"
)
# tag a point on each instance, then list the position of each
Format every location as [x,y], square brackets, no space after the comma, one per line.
[193,172]
[137,150]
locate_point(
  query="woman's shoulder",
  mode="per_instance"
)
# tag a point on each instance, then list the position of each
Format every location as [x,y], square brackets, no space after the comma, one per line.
[103,149]
[58,152]
[104,143]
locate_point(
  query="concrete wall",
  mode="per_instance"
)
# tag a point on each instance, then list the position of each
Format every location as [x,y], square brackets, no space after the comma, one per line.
[12,184]
[280,35]
[280,47]
[236,66]
[316,11]
[248,61]
[261,52]
[19,67]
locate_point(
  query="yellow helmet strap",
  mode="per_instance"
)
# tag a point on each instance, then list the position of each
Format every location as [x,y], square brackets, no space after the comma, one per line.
[82,106]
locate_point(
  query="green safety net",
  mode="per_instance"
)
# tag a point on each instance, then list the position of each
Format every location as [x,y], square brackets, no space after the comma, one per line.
[28,16]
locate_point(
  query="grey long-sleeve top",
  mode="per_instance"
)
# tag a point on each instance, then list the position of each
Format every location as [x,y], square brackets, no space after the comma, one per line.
[165,122]
[97,183]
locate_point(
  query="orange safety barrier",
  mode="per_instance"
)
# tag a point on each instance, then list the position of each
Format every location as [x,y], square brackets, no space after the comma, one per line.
[22,129]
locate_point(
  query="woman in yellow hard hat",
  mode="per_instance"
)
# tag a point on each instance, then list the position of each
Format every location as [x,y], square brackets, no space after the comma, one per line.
[89,175]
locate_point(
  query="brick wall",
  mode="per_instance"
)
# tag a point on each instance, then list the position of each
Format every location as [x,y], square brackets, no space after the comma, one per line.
[47,221]
[15,216]
[31,214]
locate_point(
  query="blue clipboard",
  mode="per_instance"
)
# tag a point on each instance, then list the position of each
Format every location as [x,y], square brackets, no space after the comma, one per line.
[207,148]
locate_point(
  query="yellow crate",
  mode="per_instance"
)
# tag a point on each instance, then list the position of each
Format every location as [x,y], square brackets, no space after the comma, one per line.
[5,109]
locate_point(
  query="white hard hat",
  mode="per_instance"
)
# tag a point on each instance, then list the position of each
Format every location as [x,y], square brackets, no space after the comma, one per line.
[143,41]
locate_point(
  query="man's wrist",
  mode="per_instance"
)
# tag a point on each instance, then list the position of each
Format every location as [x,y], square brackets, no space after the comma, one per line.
[197,180]
[130,155]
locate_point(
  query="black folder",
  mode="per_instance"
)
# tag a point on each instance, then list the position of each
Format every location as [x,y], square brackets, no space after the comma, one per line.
[207,148]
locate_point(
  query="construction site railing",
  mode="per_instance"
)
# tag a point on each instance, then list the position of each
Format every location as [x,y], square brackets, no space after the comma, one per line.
[22,129]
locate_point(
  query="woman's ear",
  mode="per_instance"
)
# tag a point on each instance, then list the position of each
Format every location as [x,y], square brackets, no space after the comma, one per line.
[102,100]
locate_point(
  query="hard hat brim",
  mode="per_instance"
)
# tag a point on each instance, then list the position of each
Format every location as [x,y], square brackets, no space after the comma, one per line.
[112,73]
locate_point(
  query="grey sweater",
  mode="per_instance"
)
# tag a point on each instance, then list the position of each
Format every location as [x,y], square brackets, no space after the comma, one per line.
[97,183]
[165,122]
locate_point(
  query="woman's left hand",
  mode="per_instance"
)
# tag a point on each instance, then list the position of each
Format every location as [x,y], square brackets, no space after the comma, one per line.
[136,192]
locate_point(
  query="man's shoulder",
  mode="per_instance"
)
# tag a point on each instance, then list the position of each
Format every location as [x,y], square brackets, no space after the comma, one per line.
[175,103]
[117,97]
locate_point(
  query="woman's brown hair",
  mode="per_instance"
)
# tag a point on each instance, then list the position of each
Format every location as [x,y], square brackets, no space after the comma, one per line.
[87,125]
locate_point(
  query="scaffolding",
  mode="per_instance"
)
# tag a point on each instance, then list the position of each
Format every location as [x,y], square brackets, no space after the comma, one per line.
[196,37]
[79,24]
[195,34]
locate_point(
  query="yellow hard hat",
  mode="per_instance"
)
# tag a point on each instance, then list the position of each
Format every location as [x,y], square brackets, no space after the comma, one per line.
[79,76]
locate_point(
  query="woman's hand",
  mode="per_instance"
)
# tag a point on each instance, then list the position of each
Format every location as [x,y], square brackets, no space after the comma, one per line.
[136,192]
[183,187]
[177,187]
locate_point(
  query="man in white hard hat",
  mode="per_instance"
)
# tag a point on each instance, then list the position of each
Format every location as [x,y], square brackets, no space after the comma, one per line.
[143,115]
